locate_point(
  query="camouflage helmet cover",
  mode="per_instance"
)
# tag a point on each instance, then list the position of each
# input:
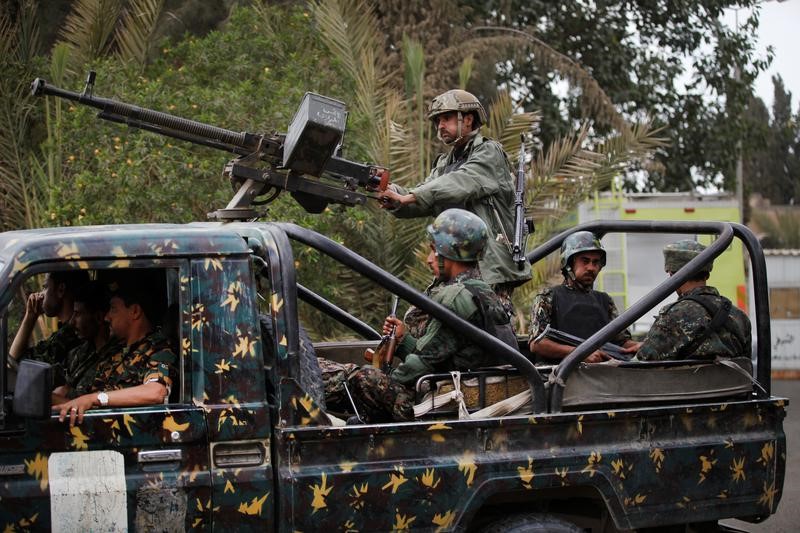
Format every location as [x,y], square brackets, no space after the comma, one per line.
[459,235]
[581,241]
[677,254]
[456,100]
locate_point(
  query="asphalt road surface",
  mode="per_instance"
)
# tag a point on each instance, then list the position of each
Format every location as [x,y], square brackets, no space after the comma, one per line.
[787,519]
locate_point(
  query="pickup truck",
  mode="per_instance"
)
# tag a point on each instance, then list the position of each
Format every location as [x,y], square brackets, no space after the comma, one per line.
[241,445]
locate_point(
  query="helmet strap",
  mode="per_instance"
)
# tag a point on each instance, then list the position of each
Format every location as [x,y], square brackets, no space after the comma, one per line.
[440,261]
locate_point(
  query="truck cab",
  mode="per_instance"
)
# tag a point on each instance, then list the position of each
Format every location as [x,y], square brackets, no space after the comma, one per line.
[241,443]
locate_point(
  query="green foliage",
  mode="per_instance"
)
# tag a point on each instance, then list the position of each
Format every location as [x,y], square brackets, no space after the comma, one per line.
[243,77]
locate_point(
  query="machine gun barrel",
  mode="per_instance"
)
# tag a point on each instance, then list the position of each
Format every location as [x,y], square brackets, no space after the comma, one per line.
[311,147]
[241,143]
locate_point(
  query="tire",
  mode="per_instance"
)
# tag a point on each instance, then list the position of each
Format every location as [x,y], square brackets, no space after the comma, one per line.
[531,522]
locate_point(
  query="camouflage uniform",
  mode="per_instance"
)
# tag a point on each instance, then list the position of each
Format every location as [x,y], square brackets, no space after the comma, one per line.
[151,357]
[676,333]
[542,311]
[334,378]
[55,348]
[381,398]
[685,329]
[479,178]
[84,362]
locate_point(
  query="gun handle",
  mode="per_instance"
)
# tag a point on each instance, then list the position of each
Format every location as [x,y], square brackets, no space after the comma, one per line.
[369,355]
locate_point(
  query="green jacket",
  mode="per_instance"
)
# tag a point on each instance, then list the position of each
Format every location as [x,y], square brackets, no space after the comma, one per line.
[478,175]
[441,349]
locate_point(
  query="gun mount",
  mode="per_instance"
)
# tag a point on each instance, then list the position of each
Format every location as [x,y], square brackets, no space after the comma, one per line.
[268,163]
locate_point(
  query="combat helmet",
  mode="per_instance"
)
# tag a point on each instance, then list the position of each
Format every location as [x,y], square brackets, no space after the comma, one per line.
[459,235]
[457,100]
[580,241]
[677,254]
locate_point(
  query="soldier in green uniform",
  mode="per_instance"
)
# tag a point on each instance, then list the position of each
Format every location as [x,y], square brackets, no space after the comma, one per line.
[701,324]
[574,306]
[56,300]
[476,175]
[144,371]
[458,240]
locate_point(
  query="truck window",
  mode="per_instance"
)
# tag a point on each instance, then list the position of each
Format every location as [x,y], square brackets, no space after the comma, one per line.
[64,318]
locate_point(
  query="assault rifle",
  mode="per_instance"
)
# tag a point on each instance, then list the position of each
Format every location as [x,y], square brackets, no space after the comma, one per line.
[383,354]
[267,163]
[612,350]
[523,226]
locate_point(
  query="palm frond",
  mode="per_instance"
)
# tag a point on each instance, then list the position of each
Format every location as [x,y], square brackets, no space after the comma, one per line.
[133,35]
[88,28]
[351,31]
[465,71]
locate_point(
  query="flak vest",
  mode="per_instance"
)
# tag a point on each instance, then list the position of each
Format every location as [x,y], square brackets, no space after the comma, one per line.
[579,313]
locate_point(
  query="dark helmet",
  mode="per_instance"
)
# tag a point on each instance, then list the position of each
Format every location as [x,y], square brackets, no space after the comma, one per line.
[459,235]
[581,241]
[677,254]
[456,100]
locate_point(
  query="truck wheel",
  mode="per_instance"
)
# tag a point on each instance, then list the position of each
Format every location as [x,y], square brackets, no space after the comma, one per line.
[531,522]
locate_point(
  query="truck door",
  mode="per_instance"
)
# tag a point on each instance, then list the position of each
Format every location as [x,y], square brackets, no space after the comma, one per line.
[122,468]
[229,382]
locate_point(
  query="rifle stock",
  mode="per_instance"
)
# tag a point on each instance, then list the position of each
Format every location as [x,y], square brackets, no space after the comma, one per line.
[267,163]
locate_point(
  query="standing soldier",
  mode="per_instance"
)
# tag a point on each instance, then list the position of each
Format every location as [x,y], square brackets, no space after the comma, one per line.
[701,324]
[458,240]
[475,175]
[574,307]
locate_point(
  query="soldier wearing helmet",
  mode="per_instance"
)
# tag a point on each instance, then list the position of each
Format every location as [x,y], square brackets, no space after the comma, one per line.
[474,174]
[457,242]
[574,307]
[701,324]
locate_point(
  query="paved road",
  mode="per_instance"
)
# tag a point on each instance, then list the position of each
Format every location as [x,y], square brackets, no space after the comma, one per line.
[787,519]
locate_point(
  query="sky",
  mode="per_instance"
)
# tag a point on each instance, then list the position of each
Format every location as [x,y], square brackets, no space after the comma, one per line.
[779,26]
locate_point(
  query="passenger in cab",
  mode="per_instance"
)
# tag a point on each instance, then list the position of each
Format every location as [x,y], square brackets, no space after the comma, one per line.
[458,241]
[89,321]
[144,371]
[574,307]
[701,324]
[56,300]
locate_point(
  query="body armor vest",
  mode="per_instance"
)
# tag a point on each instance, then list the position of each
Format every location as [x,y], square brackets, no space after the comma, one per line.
[579,313]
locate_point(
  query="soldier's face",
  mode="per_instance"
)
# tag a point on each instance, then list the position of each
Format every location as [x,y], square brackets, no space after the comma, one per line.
[53,297]
[447,126]
[119,317]
[586,266]
[86,322]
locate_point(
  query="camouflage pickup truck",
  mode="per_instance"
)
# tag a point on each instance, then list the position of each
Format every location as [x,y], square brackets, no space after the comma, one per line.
[242,445]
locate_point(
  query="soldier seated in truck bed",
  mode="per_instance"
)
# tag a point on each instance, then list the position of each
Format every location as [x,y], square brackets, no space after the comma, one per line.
[458,240]
[701,324]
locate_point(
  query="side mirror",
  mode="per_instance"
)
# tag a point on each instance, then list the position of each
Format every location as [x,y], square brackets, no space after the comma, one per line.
[33,388]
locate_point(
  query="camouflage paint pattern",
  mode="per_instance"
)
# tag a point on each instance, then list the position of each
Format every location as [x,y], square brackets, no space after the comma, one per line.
[423,475]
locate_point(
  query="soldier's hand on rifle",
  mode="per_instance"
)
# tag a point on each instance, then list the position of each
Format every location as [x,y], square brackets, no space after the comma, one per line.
[631,347]
[400,327]
[597,356]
